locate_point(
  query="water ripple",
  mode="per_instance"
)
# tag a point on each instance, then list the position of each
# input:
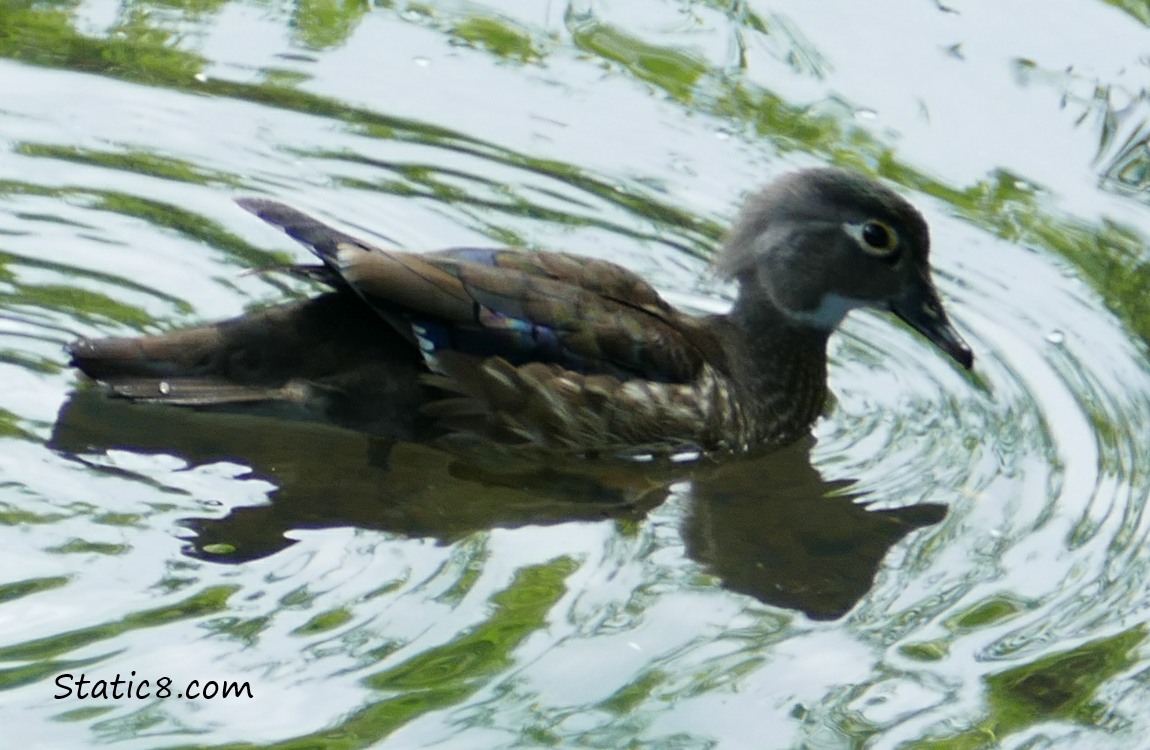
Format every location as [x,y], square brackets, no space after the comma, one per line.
[417,607]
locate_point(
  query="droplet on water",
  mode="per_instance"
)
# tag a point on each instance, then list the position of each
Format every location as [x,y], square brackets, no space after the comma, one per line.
[1056,337]
[165,388]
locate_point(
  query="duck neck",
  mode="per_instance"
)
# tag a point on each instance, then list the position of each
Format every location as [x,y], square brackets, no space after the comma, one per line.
[780,366]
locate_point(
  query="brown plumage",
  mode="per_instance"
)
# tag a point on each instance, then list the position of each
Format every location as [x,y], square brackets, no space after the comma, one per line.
[551,350]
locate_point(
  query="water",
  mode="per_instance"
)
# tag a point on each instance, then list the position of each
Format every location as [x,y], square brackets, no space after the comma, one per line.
[959,561]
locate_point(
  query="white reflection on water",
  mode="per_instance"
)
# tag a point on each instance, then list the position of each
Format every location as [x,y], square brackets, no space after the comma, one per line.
[1040,455]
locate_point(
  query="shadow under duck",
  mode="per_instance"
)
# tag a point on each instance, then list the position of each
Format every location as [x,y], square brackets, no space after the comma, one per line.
[555,351]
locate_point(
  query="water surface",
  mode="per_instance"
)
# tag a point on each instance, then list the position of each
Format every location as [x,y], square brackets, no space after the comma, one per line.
[957,561]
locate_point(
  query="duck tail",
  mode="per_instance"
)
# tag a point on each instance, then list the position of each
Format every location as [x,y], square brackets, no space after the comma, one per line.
[179,353]
[321,238]
[250,358]
[182,368]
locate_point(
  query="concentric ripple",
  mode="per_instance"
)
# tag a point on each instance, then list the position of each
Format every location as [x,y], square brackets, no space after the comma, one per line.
[960,559]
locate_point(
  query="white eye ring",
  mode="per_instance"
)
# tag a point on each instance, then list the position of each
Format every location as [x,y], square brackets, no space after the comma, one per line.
[876,238]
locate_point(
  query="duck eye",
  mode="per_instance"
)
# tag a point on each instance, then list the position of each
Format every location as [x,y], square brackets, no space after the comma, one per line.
[876,238]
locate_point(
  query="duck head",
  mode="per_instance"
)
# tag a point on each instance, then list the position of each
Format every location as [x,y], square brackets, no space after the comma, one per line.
[819,243]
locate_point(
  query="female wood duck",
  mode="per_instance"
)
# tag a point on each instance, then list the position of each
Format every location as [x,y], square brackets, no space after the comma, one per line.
[555,351]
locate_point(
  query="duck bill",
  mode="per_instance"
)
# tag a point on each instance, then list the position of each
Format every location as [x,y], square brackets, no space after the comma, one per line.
[922,311]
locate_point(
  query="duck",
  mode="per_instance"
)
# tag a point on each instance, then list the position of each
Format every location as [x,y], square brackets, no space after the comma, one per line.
[555,351]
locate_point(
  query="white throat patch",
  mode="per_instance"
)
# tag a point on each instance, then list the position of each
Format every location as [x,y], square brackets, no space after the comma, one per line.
[830,312]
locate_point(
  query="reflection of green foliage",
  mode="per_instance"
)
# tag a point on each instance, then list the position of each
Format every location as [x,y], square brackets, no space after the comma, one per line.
[133,49]
[78,303]
[34,34]
[324,621]
[140,162]
[1059,687]
[210,600]
[82,303]
[89,305]
[467,563]
[11,515]
[245,631]
[519,610]
[10,428]
[322,24]
[1107,254]
[29,674]
[20,589]
[626,698]
[189,8]
[298,598]
[745,16]
[143,46]
[191,225]
[498,36]
[444,676]
[1139,9]
[925,650]
[119,519]
[83,714]
[84,547]
[447,186]
[27,362]
[987,612]
[674,71]
[59,45]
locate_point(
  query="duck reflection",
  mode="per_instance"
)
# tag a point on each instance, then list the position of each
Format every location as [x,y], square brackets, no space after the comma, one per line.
[769,526]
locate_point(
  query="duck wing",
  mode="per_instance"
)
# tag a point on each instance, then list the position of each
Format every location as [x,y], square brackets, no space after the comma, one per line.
[528,345]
